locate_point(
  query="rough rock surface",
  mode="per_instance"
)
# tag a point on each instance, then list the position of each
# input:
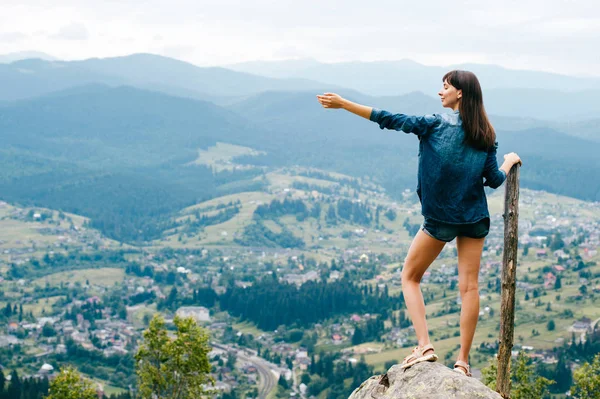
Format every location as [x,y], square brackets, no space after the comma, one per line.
[423,380]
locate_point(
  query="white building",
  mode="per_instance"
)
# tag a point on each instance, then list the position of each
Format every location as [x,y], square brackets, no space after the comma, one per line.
[198,313]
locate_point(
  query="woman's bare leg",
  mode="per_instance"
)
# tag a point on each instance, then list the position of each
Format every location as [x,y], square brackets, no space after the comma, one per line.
[469,258]
[422,252]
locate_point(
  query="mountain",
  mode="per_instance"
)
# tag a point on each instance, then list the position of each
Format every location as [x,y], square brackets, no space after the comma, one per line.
[274,69]
[358,145]
[403,76]
[522,94]
[23,55]
[34,77]
[116,155]
[542,103]
[30,78]
[526,94]
[121,155]
[586,128]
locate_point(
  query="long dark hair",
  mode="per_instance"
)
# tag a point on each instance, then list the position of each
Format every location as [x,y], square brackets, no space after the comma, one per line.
[479,132]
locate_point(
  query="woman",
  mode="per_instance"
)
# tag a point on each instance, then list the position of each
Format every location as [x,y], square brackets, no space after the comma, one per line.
[457,158]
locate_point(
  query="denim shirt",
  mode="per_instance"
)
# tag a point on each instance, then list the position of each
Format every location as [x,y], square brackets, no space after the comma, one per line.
[451,173]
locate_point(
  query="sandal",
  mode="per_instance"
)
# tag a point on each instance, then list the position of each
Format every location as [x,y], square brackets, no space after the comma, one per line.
[462,368]
[418,355]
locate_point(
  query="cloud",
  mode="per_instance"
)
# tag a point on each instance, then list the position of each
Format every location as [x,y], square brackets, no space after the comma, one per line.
[289,52]
[13,36]
[176,51]
[559,35]
[73,31]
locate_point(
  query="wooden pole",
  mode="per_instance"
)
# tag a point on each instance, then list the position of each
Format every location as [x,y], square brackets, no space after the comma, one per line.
[509,274]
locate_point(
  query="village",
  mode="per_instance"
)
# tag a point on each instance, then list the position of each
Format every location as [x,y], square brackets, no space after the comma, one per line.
[103,308]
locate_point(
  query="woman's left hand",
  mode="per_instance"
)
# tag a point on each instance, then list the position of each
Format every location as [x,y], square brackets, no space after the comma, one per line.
[331,100]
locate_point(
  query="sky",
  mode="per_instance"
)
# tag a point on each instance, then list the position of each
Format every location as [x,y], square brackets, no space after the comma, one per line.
[560,36]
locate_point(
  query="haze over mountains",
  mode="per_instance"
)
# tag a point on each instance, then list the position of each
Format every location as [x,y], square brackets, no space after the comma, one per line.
[537,95]
[507,92]
[113,138]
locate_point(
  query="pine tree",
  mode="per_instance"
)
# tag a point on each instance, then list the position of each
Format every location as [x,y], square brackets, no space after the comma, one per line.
[357,337]
[564,375]
[14,388]
[282,382]
[557,283]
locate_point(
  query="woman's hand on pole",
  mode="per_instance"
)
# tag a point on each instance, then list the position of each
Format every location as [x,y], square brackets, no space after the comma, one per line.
[513,158]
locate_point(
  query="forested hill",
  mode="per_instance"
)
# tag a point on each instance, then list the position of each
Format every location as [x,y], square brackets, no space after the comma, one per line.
[124,156]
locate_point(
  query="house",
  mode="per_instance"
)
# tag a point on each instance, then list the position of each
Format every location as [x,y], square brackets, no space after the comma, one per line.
[199,313]
[549,280]
[304,363]
[6,340]
[541,253]
[559,268]
[591,253]
[301,354]
[42,321]
[301,278]
[559,253]
[46,369]
[582,325]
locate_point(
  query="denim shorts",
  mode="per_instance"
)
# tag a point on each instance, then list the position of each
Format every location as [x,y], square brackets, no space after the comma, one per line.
[448,232]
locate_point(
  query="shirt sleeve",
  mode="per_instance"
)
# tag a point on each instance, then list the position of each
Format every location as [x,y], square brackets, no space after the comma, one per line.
[494,177]
[419,125]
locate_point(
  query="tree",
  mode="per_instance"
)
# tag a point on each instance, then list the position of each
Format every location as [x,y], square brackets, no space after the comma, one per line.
[551,325]
[231,359]
[524,385]
[14,388]
[48,330]
[357,337]
[563,376]
[283,382]
[70,385]
[390,214]
[175,368]
[556,242]
[587,380]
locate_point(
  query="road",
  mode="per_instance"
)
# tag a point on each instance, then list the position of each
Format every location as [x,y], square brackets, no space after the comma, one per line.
[266,381]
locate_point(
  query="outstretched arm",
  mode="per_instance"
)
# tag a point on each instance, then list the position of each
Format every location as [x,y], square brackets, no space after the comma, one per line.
[332,100]
[418,125]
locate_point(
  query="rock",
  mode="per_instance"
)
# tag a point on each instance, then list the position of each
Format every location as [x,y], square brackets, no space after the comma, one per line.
[423,380]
